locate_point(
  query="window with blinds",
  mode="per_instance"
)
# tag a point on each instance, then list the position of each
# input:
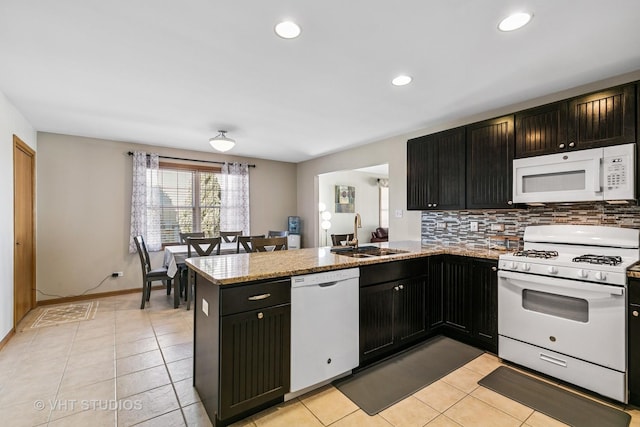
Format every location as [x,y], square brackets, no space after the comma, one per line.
[185,199]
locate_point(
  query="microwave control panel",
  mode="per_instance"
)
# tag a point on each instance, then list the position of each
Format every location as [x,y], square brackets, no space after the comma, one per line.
[616,172]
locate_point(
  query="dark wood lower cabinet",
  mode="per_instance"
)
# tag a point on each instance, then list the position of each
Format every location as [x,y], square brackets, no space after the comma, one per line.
[633,343]
[455,295]
[241,347]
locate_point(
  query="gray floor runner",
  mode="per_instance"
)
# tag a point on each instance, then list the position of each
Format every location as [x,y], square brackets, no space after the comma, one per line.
[553,401]
[380,386]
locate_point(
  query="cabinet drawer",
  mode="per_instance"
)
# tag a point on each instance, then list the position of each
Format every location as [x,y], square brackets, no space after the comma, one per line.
[254,296]
[634,291]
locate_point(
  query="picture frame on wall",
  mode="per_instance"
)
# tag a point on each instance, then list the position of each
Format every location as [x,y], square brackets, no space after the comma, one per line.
[345,199]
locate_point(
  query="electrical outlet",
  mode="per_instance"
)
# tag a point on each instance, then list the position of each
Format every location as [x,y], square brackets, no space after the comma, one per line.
[474,225]
[497,227]
[117,274]
[441,225]
[398,213]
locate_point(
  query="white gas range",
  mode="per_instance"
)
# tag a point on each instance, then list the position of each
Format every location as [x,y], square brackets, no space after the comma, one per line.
[562,304]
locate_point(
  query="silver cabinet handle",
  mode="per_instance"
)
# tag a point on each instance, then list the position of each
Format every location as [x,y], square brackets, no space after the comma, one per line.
[561,146]
[494,268]
[428,205]
[401,287]
[395,288]
[258,297]
[572,144]
[260,315]
[635,313]
[510,202]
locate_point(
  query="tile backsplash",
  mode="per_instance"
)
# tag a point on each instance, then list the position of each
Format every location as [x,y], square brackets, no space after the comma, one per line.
[454,227]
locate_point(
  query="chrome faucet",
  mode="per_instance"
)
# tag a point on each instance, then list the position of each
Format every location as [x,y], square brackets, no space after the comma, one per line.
[357,223]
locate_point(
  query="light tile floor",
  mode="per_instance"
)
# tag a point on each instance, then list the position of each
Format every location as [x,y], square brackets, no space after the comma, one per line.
[133,367]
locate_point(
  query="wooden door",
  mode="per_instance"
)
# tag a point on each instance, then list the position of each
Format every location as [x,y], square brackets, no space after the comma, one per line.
[376,320]
[24,272]
[490,146]
[542,130]
[457,295]
[410,320]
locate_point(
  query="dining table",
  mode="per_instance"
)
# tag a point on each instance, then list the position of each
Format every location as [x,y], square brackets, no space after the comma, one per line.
[175,255]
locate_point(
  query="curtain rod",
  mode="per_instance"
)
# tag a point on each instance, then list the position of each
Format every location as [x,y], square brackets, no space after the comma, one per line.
[192,160]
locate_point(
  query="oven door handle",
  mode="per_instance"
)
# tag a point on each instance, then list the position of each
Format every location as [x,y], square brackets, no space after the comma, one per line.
[558,283]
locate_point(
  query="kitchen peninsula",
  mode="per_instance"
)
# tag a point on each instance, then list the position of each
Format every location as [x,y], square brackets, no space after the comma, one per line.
[243,313]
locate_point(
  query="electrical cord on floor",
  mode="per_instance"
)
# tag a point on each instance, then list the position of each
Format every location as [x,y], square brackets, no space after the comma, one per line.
[70,296]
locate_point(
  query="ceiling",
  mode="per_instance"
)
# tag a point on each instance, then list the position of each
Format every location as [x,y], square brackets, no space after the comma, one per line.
[171,73]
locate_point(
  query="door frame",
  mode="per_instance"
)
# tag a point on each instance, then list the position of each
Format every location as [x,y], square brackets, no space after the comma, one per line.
[20,145]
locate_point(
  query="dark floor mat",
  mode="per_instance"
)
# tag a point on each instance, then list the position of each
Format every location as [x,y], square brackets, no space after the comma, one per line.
[380,386]
[570,408]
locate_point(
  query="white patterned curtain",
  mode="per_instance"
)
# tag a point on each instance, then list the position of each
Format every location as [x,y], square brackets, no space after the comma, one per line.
[145,198]
[234,195]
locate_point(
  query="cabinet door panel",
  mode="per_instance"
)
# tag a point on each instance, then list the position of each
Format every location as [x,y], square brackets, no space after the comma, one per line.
[451,170]
[457,295]
[603,118]
[489,163]
[376,318]
[254,359]
[410,319]
[435,295]
[541,130]
[484,284]
[422,155]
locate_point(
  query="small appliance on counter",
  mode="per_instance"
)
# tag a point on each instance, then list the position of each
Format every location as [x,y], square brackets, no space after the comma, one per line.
[294,229]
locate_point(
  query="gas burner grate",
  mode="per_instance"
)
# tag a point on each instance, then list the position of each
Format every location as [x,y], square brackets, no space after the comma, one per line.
[598,259]
[536,254]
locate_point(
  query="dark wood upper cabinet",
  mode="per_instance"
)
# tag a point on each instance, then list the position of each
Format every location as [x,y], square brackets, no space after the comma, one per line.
[490,147]
[603,118]
[436,171]
[541,130]
[594,120]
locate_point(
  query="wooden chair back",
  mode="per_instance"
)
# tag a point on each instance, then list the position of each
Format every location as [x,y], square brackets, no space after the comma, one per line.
[144,255]
[230,236]
[336,239]
[203,246]
[244,242]
[184,236]
[269,244]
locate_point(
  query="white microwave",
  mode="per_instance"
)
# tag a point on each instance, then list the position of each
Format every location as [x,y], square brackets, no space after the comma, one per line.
[606,174]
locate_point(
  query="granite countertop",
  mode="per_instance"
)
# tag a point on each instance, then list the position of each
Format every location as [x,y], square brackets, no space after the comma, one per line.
[634,271]
[238,268]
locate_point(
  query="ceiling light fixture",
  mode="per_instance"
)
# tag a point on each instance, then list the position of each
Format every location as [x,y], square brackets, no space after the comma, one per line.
[515,21]
[288,30]
[220,142]
[401,80]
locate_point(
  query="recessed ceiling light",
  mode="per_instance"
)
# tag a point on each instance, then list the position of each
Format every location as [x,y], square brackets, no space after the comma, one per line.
[515,21]
[401,80]
[288,30]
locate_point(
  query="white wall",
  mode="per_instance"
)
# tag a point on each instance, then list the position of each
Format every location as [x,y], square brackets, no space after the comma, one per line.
[84,198]
[366,203]
[11,123]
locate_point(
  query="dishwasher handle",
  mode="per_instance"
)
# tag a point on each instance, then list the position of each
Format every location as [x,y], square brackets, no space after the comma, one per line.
[326,285]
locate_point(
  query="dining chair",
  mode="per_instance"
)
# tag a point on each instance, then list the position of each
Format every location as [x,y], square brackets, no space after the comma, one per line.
[184,236]
[269,244]
[148,274]
[337,239]
[202,246]
[230,236]
[273,233]
[245,242]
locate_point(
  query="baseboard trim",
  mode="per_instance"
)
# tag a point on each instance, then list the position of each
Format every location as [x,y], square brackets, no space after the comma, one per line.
[6,339]
[94,296]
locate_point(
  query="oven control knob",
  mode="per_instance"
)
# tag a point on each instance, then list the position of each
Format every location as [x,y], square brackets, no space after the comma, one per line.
[513,266]
[526,266]
[600,275]
[552,270]
[583,273]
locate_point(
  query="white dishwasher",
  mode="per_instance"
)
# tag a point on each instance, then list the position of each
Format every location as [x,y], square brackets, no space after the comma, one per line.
[324,326]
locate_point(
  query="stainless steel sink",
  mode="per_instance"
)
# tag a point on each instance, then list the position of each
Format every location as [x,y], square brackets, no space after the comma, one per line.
[366,251]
